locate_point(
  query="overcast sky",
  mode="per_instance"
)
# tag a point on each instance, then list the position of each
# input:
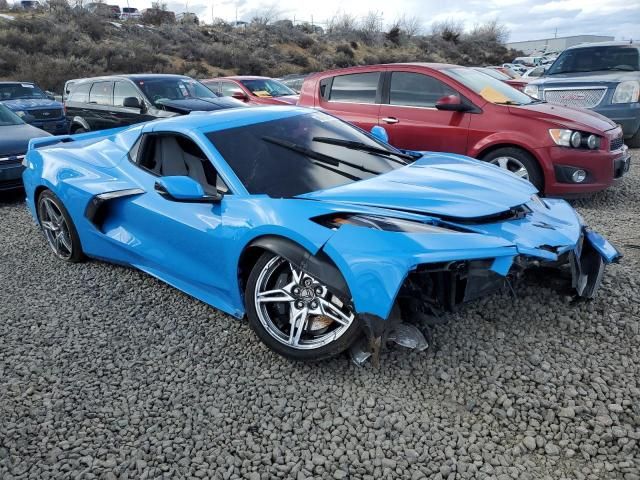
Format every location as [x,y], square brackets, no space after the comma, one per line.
[525,19]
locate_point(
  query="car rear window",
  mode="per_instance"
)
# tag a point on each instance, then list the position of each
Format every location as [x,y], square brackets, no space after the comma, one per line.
[79,93]
[355,88]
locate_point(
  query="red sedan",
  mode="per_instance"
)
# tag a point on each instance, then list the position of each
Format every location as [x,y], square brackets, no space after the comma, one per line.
[447,108]
[253,90]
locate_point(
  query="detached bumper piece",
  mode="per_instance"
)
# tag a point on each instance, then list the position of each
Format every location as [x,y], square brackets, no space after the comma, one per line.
[432,290]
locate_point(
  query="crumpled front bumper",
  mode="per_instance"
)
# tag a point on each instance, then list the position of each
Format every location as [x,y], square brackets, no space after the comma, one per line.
[588,260]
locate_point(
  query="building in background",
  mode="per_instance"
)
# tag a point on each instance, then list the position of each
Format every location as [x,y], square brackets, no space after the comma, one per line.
[556,44]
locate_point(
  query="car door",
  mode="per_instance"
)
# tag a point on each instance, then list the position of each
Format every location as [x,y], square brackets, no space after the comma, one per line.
[76,103]
[410,116]
[354,97]
[100,105]
[125,116]
[174,240]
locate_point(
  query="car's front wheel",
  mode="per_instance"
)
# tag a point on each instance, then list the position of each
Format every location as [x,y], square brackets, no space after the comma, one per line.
[518,162]
[296,315]
[58,228]
[634,142]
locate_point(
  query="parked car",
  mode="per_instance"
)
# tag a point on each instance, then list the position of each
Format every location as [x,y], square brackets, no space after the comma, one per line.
[30,5]
[293,81]
[34,106]
[115,11]
[518,69]
[448,108]
[115,101]
[603,77]
[187,17]
[130,13]
[314,229]
[528,61]
[14,139]
[535,72]
[518,83]
[98,8]
[253,90]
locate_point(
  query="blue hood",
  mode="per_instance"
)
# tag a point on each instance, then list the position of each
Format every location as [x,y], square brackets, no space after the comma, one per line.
[14,139]
[438,184]
[31,104]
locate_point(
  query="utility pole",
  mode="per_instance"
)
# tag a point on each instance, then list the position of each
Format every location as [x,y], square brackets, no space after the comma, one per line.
[556,34]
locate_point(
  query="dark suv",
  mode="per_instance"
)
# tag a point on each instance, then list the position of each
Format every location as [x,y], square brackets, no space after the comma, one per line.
[117,101]
[603,77]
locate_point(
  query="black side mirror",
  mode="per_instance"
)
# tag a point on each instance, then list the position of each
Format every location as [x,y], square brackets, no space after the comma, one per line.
[132,102]
[452,103]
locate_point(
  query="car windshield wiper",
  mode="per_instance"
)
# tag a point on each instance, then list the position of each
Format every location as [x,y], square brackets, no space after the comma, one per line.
[509,102]
[353,145]
[321,157]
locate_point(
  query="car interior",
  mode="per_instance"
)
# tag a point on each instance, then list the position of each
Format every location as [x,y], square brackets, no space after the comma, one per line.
[173,155]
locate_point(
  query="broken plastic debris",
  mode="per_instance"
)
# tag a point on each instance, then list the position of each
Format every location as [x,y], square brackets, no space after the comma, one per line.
[409,336]
[360,351]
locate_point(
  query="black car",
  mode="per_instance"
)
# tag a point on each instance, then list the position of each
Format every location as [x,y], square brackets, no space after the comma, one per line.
[117,101]
[603,77]
[14,139]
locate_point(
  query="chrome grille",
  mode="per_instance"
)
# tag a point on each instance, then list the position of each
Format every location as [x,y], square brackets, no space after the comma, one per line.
[578,97]
[47,113]
[616,143]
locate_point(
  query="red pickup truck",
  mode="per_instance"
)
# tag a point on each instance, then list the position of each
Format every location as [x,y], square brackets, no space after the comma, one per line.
[448,108]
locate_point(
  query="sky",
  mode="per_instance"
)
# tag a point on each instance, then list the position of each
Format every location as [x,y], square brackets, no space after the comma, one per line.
[525,19]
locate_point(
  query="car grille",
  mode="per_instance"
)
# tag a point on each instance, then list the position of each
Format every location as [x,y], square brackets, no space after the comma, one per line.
[616,143]
[47,114]
[579,97]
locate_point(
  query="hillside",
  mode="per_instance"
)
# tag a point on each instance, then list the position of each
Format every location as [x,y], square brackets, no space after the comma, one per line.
[52,47]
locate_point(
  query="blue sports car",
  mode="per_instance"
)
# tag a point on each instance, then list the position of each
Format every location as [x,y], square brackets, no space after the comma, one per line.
[320,233]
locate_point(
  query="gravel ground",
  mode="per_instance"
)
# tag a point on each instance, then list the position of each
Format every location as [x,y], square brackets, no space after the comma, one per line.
[108,373]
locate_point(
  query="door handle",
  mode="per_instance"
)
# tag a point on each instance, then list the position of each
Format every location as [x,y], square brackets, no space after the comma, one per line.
[390,120]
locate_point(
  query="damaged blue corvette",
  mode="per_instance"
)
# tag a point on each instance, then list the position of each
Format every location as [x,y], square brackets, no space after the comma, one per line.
[321,234]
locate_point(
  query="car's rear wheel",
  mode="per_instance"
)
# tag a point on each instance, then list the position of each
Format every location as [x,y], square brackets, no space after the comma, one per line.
[79,130]
[296,315]
[634,142]
[58,228]
[518,162]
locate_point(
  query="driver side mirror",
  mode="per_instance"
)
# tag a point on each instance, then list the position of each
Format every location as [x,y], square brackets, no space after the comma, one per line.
[184,189]
[239,95]
[132,102]
[452,103]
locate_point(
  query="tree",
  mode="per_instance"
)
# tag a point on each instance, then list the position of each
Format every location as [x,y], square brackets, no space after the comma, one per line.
[491,31]
[266,14]
[449,30]
[4,5]
[410,26]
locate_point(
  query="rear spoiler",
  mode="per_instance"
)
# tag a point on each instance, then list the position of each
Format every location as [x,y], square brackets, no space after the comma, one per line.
[36,143]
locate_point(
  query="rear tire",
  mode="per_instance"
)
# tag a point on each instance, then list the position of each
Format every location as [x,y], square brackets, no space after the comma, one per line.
[58,228]
[279,293]
[634,142]
[514,159]
[79,130]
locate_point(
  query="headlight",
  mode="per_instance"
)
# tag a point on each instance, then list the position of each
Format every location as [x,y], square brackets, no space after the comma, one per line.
[381,223]
[627,92]
[20,113]
[532,91]
[572,138]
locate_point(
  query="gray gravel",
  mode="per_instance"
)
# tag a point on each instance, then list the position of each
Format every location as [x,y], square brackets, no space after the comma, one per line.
[108,373]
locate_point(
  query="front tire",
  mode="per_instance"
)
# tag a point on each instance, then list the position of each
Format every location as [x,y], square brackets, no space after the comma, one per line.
[518,162]
[296,315]
[58,228]
[634,142]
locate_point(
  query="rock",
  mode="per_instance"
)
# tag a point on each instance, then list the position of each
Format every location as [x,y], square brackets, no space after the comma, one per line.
[529,442]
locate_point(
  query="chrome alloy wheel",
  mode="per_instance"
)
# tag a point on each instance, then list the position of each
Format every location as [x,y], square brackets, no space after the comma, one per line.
[296,309]
[55,228]
[512,164]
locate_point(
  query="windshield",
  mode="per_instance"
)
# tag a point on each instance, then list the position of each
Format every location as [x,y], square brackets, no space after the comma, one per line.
[265,87]
[290,156]
[489,88]
[494,73]
[595,59]
[7,117]
[159,90]
[14,91]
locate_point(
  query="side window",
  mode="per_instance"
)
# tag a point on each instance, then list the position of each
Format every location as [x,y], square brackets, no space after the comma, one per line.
[101,93]
[174,155]
[123,90]
[416,90]
[228,88]
[79,93]
[355,88]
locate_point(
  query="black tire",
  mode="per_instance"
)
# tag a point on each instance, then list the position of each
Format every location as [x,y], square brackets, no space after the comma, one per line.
[634,142]
[324,352]
[79,130]
[530,164]
[75,254]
